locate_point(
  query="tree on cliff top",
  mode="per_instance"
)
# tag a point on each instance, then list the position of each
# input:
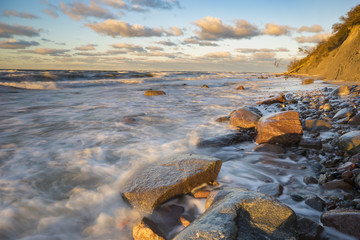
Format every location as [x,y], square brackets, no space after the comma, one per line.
[340,33]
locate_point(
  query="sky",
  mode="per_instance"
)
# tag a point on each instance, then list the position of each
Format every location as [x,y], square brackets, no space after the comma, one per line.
[163,35]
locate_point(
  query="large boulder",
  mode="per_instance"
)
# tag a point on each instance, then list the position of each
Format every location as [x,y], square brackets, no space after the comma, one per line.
[161,181]
[283,128]
[345,221]
[244,118]
[242,214]
[350,142]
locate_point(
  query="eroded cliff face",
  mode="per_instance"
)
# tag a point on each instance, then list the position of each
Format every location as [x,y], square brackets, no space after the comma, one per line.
[342,63]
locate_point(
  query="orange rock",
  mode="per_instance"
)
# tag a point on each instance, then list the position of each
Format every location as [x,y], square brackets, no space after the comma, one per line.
[201,194]
[142,232]
[244,118]
[154,93]
[277,99]
[184,221]
[240,88]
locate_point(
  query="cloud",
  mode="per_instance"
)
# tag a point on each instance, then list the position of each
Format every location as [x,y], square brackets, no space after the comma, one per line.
[131,47]
[200,43]
[254,50]
[47,51]
[264,55]
[115,3]
[115,28]
[313,39]
[8,31]
[166,43]
[276,30]
[19,14]
[314,28]
[78,11]
[51,10]
[213,29]
[154,48]
[162,4]
[175,31]
[14,44]
[88,47]
[218,55]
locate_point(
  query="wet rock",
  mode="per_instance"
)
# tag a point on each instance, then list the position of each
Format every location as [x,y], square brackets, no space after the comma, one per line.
[346,166]
[343,115]
[316,203]
[226,140]
[223,119]
[347,175]
[310,180]
[141,231]
[341,91]
[327,107]
[272,148]
[272,189]
[355,158]
[184,221]
[296,197]
[244,118]
[308,229]
[204,86]
[255,110]
[277,99]
[350,142]
[240,88]
[317,125]
[345,221]
[337,184]
[154,93]
[240,214]
[282,128]
[357,181]
[310,143]
[307,81]
[355,120]
[157,183]
[201,194]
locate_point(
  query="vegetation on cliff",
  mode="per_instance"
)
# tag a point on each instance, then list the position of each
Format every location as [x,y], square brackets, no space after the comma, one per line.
[340,34]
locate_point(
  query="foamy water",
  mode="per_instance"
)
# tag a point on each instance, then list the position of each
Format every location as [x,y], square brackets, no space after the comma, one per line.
[69,140]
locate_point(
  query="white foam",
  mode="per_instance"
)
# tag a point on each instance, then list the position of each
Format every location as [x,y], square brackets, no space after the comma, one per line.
[31,85]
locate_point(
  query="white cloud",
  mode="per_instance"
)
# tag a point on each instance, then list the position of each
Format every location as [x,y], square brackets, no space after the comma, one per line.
[313,39]
[218,55]
[115,3]
[78,11]
[276,30]
[213,29]
[264,55]
[132,47]
[154,48]
[175,31]
[314,28]
[15,44]
[198,42]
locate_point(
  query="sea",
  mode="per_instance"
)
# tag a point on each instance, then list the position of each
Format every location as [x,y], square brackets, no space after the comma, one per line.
[69,140]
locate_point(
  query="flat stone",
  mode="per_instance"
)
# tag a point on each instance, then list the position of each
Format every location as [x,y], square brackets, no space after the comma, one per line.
[277,99]
[270,148]
[282,128]
[310,143]
[317,125]
[272,189]
[316,203]
[350,142]
[337,184]
[154,93]
[308,229]
[240,214]
[345,221]
[307,81]
[154,184]
[244,118]
[225,140]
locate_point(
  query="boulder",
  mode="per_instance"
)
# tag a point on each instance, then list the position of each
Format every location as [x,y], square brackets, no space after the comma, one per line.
[341,91]
[244,118]
[163,180]
[307,81]
[350,142]
[316,203]
[345,221]
[337,184]
[241,214]
[277,99]
[310,143]
[225,140]
[317,125]
[269,148]
[283,128]
[141,231]
[308,229]
[154,93]
[343,115]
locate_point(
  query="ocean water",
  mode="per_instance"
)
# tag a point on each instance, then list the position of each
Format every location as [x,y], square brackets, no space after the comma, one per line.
[70,139]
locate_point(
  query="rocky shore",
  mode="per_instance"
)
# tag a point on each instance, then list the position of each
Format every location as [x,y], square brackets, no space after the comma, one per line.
[322,126]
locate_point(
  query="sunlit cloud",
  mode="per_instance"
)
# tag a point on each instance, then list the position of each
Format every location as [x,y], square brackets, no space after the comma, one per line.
[276,30]
[166,43]
[131,47]
[213,29]
[8,31]
[19,14]
[154,48]
[78,11]
[87,47]
[162,4]
[264,56]
[314,28]
[15,44]
[46,51]
[51,10]
[115,28]
[254,50]
[218,55]
[115,3]
[195,41]
[313,39]
[175,31]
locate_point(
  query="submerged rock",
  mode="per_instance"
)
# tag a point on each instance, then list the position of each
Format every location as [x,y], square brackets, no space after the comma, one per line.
[307,81]
[272,148]
[277,99]
[240,214]
[272,189]
[350,142]
[283,128]
[225,140]
[310,143]
[154,93]
[165,179]
[345,221]
[244,118]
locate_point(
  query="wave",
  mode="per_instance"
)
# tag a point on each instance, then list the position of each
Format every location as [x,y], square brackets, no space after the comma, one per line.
[31,85]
